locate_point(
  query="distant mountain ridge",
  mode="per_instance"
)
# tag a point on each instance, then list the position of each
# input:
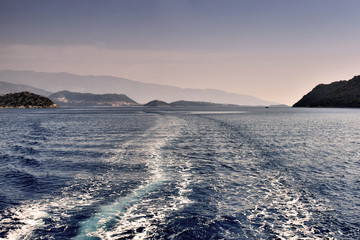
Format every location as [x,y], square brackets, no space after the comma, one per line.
[140,92]
[6,88]
[67,98]
[340,94]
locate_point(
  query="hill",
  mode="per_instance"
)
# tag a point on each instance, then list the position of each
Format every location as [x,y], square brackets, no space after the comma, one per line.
[157,103]
[6,88]
[67,98]
[140,92]
[25,100]
[341,94]
[182,103]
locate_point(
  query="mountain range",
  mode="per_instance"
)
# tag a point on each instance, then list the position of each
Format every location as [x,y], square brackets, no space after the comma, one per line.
[6,88]
[138,91]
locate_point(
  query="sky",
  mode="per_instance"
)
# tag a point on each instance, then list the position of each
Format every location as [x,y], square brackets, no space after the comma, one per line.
[277,50]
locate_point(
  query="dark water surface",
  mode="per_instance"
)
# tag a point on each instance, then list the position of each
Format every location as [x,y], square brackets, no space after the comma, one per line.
[142,173]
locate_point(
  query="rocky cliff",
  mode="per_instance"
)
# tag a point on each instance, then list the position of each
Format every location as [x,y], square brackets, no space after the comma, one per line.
[341,94]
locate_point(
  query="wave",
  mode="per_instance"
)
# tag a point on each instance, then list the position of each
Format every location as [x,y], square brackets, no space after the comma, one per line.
[174,175]
[138,214]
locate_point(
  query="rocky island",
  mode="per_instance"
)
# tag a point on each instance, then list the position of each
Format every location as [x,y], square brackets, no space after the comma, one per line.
[157,103]
[182,103]
[340,94]
[67,98]
[25,100]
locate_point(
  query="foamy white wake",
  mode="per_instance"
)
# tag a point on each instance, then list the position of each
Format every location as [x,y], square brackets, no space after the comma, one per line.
[134,212]
[134,216]
[286,212]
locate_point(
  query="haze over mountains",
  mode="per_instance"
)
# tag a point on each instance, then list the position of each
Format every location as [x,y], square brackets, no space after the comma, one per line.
[6,88]
[138,91]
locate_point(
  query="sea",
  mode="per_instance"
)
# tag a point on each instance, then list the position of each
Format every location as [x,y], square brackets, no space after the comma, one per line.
[180,173]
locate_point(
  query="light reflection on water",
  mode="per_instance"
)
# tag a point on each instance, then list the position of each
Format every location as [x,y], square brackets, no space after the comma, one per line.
[248,173]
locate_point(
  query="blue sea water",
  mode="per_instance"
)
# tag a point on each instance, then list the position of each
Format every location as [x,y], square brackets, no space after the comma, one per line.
[170,173]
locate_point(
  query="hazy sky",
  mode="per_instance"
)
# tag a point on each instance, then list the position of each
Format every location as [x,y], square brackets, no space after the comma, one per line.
[277,50]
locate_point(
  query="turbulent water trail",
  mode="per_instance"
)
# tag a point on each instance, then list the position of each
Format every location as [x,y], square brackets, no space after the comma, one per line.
[180,175]
[138,214]
[275,192]
[131,170]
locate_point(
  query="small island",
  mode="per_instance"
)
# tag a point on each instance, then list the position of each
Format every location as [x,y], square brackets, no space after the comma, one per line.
[182,103]
[340,94]
[76,99]
[157,103]
[25,100]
